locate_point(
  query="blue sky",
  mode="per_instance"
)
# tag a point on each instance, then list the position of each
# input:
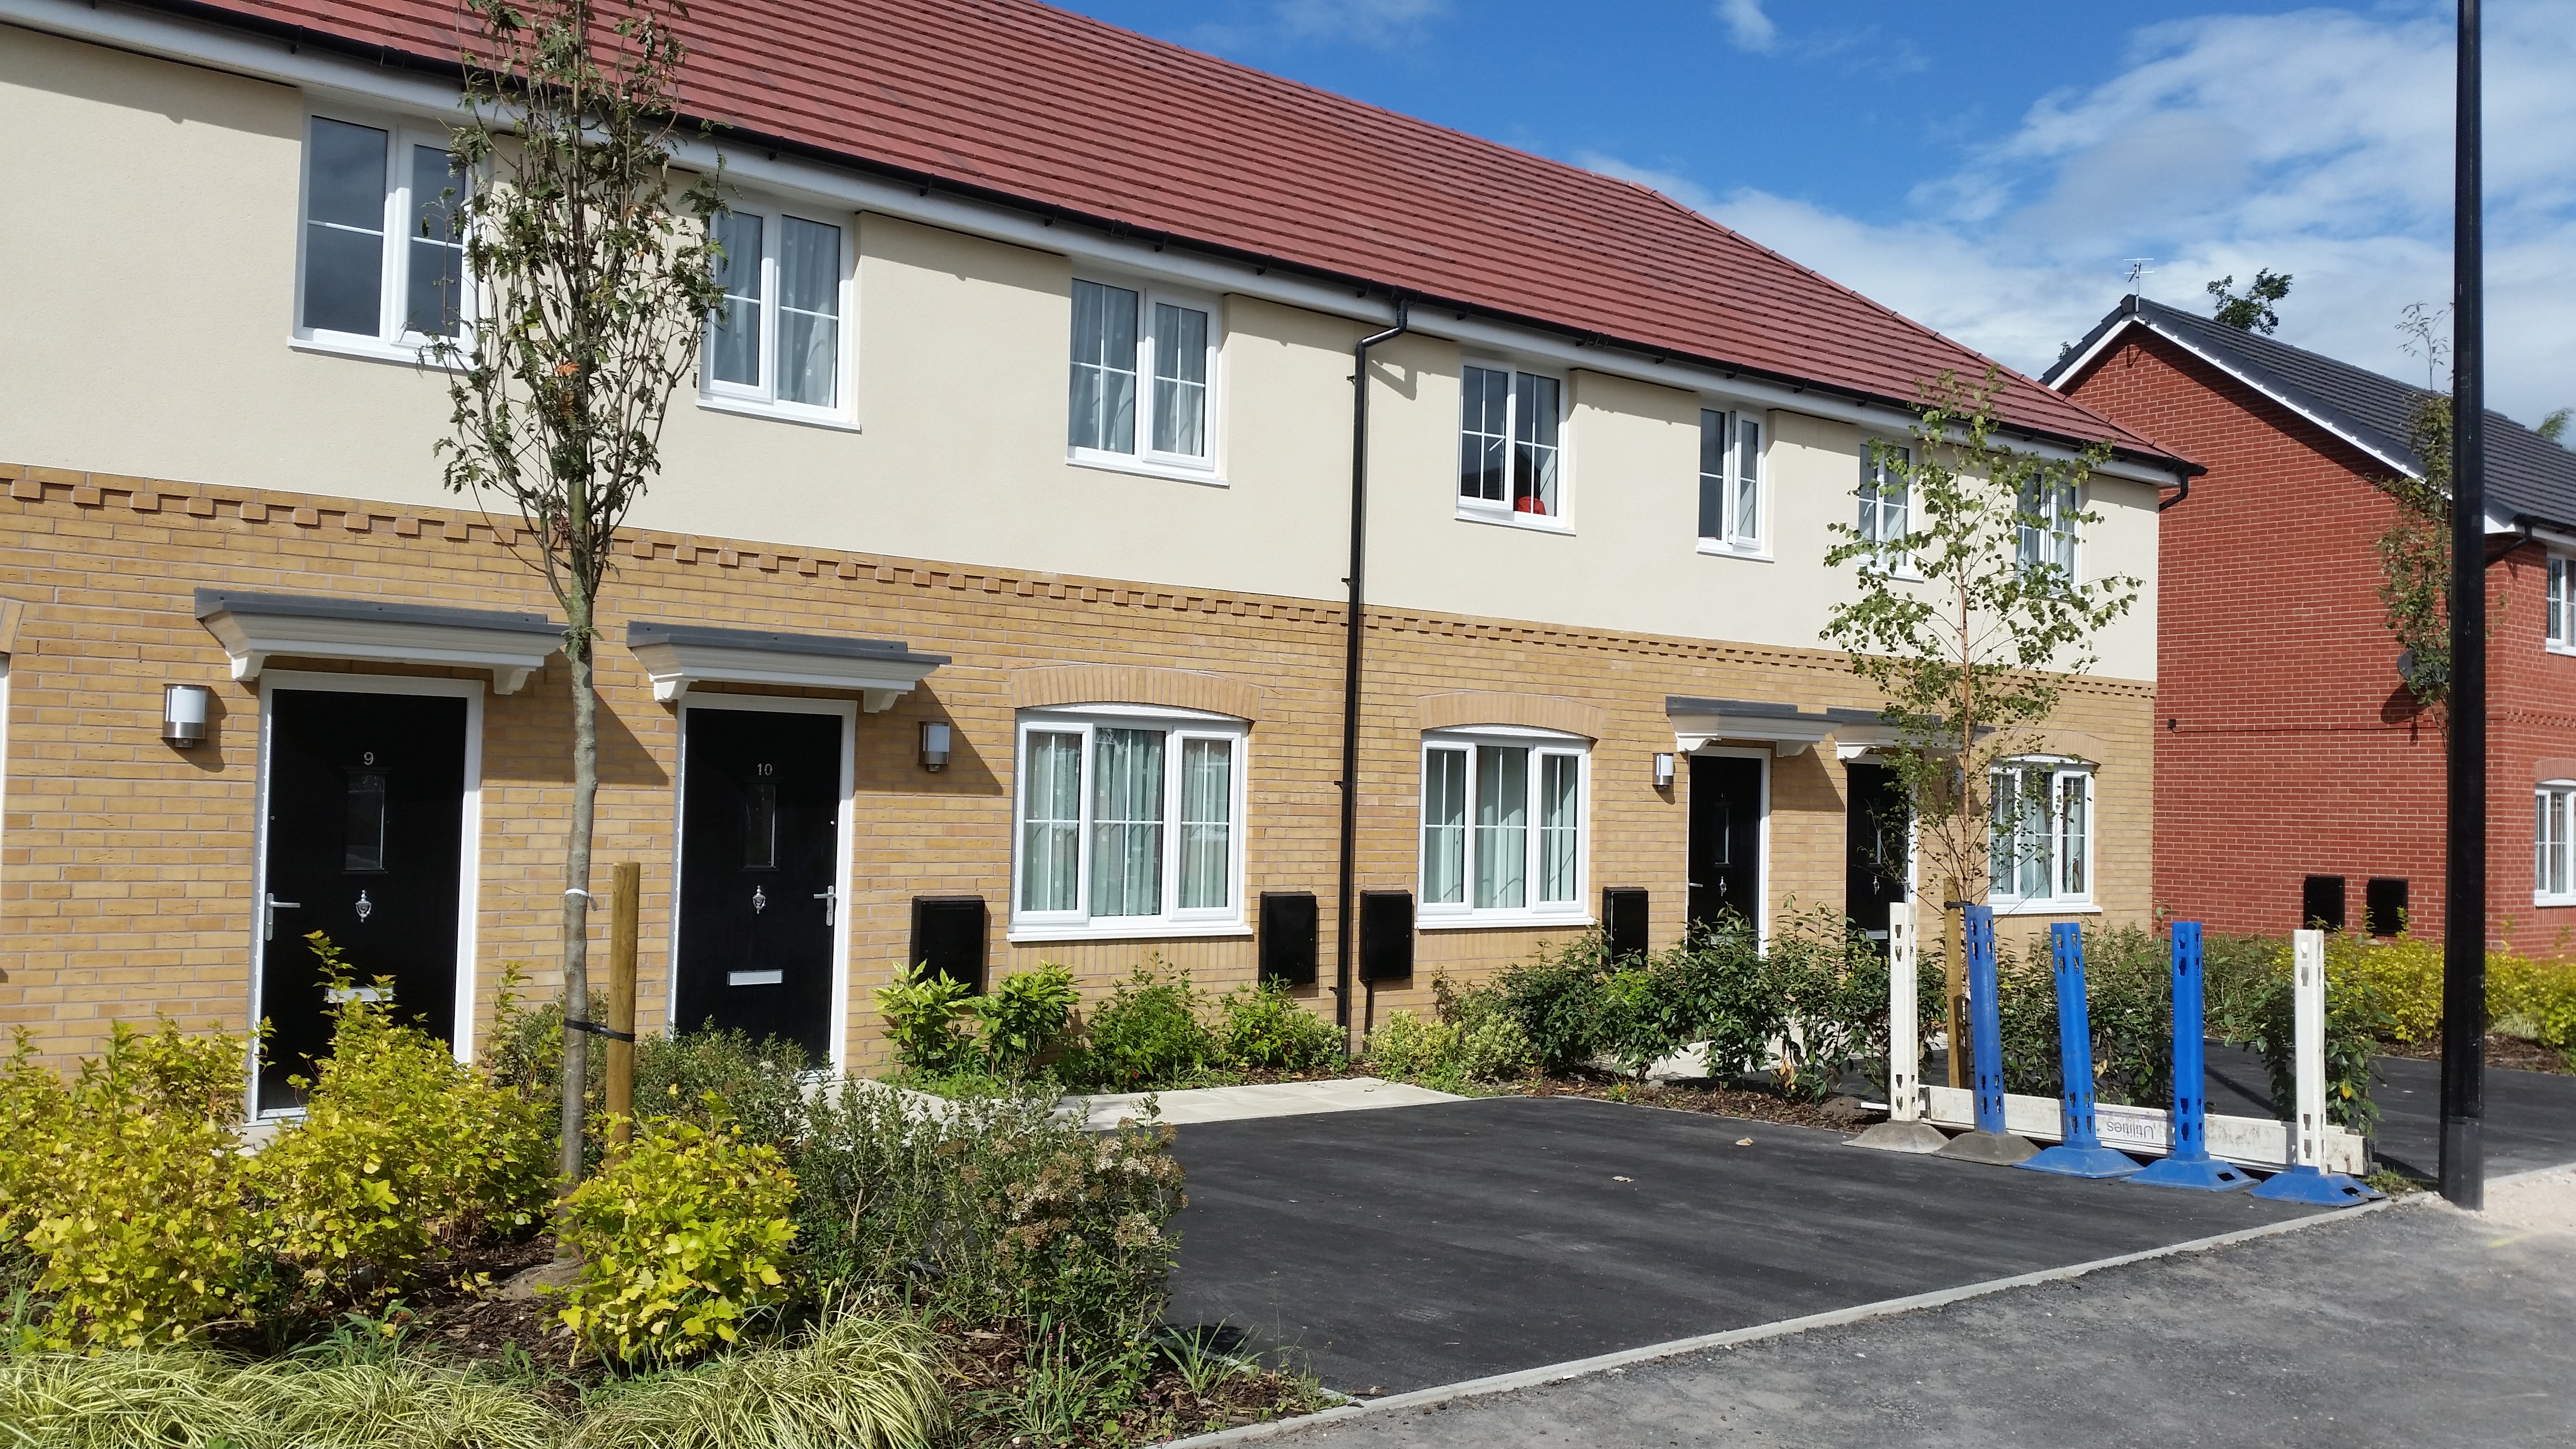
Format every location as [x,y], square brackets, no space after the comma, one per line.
[1990,167]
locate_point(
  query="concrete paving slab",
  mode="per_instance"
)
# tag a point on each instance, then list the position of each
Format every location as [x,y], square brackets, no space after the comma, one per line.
[1270,1099]
[1402,1249]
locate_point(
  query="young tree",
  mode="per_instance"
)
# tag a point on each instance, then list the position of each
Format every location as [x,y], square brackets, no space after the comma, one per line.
[2252,310]
[2415,559]
[591,275]
[1970,621]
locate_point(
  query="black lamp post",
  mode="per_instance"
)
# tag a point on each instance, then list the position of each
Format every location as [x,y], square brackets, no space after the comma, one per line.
[2464,931]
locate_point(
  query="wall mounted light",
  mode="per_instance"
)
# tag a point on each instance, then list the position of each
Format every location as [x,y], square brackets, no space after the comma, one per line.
[934,745]
[183,713]
[1663,772]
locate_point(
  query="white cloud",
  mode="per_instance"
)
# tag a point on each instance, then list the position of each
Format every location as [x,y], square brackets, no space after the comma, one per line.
[2316,143]
[1747,26]
[1385,24]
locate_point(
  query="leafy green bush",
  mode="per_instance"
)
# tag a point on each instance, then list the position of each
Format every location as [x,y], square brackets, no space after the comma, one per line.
[758,1085]
[1147,1034]
[145,1220]
[923,1013]
[1475,1046]
[33,1105]
[1262,1028]
[681,1236]
[386,1402]
[1556,999]
[1024,1018]
[992,1208]
[850,1382]
[401,1149]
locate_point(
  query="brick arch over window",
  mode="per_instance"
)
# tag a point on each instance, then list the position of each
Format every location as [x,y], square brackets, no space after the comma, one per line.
[1134,684]
[1531,711]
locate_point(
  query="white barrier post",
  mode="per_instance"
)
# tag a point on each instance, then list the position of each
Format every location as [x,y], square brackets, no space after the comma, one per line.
[2307,1180]
[1904,1130]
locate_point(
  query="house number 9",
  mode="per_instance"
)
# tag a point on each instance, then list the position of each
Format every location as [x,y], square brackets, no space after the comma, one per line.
[368,758]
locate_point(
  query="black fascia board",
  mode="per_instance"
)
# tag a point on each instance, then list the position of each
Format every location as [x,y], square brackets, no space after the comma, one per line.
[640,632]
[210,602]
[1052,214]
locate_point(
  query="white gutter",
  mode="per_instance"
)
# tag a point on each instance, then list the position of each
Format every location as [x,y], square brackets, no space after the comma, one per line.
[206,43]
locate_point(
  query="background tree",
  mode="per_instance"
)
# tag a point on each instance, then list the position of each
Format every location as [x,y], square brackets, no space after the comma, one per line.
[2415,559]
[591,275]
[1969,624]
[2250,311]
[2553,428]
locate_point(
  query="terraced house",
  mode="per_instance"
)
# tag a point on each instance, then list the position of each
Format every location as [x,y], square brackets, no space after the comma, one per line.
[993,606]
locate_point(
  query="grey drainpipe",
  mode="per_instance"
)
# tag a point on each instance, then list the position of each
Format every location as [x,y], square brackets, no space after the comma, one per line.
[1351,660]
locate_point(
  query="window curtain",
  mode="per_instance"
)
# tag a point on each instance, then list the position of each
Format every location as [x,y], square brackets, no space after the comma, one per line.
[1502,827]
[1104,368]
[1207,824]
[809,311]
[1560,857]
[2560,604]
[2549,842]
[1127,822]
[734,340]
[1180,380]
[1051,824]
[1444,827]
[2074,834]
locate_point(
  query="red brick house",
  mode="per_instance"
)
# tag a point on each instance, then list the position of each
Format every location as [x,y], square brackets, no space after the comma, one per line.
[2295,776]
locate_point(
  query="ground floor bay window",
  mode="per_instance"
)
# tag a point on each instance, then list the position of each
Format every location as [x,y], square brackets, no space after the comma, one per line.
[2553,881]
[1503,822]
[1128,823]
[2041,839]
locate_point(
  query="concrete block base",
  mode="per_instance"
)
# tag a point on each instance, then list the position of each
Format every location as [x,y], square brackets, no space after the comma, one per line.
[1903,1137]
[2001,1149]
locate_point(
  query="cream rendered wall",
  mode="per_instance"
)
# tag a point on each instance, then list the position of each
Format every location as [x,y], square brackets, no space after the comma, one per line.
[153,341]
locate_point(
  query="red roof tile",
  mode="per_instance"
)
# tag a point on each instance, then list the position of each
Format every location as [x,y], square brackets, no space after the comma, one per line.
[1057,109]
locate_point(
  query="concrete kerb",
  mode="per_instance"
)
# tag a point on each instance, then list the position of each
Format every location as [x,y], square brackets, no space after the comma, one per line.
[1602,1363]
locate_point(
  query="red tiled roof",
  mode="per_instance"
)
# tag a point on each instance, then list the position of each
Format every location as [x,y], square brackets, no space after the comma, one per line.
[1061,110]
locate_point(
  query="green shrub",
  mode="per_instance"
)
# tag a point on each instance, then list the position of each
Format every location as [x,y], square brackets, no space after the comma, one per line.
[145,1220]
[33,1108]
[1262,1028]
[392,1402]
[923,1013]
[992,1208]
[1024,1018]
[1482,1046]
[851,1382]
[401,1149]
[681,1236]
[759,1085]
[121,1399]
[1146,1035]
[1556,998]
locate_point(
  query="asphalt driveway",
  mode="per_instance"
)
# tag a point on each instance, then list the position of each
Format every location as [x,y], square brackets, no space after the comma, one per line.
[1416,1246]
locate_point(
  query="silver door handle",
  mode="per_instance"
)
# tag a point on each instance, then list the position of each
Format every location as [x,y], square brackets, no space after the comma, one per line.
[830,896]
[268,927]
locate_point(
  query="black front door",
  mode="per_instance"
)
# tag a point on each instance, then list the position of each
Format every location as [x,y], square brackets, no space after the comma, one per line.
[759,850]
[1725,839]
[366,823]
[1876,834]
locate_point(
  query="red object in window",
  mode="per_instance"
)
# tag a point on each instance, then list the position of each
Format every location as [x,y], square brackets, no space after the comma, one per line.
[1530,503]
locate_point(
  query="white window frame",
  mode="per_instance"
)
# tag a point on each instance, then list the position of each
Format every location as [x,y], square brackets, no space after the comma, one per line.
[1176,725]
[1431,916]
[2060,535]
[1146,459]
[2553,826]
[761,399]
[1874,477]
[391,341]
[1737,536]
[2558,608]
[2060,901]
[1482,510]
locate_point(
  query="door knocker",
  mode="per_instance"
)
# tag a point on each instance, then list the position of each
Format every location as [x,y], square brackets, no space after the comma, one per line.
[759,901]
[366,907]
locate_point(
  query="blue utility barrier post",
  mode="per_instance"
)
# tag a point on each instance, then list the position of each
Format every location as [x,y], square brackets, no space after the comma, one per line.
[2190,1165]
[1990,1142]
[2079,1152]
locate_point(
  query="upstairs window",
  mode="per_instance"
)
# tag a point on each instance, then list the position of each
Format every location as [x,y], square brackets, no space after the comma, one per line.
[1730,480]
[1502,826]
[1142,366]
[1129,821]
[1886,511]
[2046,515]
[1510,456]
[2560,613]
[776,340]
[2041,836]
[383,240]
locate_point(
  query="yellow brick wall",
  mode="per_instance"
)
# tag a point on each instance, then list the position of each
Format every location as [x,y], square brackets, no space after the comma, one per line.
[126,866]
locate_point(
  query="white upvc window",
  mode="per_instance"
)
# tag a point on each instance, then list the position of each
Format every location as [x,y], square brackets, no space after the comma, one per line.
[2045,517]
[779,342]
[1511,445]
[2553,873]
[1129,822]
[1730,482]
[1143,381]
[2041,835]
[1503,826]
[1886,507]
[2560,614]
[381,263]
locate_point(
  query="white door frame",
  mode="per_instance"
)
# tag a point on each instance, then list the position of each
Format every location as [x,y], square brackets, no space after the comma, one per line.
[469,842]
[843,818]
[1761,838]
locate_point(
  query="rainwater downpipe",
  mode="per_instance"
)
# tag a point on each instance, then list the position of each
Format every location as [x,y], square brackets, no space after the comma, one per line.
[1351,662]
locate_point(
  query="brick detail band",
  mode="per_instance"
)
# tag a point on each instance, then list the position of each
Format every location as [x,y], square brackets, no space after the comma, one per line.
[1530,711]
[1134,684]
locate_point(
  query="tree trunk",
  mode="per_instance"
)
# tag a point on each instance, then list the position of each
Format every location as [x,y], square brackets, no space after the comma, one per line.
[1954,979]
[576,903]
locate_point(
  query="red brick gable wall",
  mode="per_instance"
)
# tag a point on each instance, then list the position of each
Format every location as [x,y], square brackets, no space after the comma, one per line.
[2286,746]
